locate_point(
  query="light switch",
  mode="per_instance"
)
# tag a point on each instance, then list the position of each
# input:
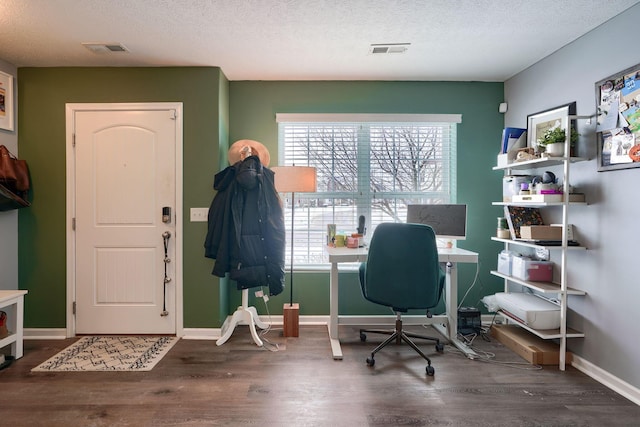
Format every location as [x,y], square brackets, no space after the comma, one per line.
[199,214]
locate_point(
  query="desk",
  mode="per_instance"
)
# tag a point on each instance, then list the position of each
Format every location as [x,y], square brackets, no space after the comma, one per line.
[14,322]
[450,256]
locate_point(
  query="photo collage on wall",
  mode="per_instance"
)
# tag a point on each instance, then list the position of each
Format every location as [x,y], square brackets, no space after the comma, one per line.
[618,121]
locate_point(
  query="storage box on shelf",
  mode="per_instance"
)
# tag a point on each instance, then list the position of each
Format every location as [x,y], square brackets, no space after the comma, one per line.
[530,269]
[511,185]
[537,198]
[512,264]
[541,232]
[504,270]
[504,262]
[546,198]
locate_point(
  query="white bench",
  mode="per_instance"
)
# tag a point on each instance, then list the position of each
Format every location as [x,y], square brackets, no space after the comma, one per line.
[15,320]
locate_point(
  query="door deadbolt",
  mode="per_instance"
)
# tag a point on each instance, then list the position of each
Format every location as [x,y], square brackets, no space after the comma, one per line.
[166,214]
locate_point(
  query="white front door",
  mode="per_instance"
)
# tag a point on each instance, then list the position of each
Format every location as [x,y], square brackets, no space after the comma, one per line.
[125,243]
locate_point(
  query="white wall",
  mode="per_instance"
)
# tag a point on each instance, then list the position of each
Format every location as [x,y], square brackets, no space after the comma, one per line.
[609,225]
[9,219]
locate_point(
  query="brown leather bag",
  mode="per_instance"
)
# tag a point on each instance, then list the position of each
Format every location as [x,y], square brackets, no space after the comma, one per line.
[14,173]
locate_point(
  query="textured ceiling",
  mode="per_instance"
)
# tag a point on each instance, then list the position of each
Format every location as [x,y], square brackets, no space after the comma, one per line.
[486,40]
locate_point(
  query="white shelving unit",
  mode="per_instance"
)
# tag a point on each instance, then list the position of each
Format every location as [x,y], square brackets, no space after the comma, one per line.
[560,290]
[15,299]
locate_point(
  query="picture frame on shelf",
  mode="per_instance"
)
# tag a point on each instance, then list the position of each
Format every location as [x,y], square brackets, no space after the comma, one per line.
[542,121]
[517,216]
[618,120]
[6,101]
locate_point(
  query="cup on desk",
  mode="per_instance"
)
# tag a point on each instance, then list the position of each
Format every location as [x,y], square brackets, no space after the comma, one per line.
[353,242]
[340,240]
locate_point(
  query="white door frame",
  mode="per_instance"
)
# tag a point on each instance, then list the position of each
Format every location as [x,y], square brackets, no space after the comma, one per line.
[70,110]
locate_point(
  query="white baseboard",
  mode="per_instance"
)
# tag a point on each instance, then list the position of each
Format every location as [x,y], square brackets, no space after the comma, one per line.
[45,333]
[605,378]
[277,320]
[201,333]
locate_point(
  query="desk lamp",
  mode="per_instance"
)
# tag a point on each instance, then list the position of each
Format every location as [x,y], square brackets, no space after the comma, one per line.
[293,179]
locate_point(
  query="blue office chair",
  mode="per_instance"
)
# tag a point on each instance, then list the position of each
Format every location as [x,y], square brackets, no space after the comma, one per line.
[402,272]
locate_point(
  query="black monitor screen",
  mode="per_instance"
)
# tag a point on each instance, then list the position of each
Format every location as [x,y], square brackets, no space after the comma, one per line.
[447,221]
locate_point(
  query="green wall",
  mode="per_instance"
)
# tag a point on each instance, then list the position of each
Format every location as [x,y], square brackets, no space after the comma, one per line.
[253,106]
[217,112]
[43,93]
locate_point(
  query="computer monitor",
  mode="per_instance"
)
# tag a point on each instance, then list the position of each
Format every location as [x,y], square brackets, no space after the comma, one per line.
[447,221]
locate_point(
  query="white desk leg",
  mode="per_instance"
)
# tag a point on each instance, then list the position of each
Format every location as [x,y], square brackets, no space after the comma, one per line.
[451,293]
[452,299]
[445,330]
[333,313]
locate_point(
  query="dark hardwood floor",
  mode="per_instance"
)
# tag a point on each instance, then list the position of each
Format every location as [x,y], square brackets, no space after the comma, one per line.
[239,384]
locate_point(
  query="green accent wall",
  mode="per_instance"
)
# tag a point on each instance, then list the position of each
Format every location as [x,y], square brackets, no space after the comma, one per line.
[216,113]
[43,93]
[253,106]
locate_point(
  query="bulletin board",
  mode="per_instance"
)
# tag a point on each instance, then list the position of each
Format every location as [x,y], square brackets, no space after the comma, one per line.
[618,120]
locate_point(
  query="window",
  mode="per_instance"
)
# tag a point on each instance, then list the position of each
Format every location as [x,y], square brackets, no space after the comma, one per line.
[370,165]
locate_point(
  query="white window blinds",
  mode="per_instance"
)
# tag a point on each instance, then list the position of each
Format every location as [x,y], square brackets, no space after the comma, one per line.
[373,168]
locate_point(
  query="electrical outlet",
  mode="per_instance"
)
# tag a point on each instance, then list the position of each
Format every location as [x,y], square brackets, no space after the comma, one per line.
[199,214]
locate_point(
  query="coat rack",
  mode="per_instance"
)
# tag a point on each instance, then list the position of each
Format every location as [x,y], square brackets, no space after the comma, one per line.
[244,315]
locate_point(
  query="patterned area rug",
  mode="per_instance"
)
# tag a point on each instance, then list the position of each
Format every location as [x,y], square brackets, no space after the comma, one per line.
[110,353]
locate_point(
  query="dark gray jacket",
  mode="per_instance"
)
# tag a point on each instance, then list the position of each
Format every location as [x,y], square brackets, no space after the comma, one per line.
[246,234]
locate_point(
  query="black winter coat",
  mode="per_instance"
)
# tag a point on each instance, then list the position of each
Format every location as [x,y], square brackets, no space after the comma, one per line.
[246,234]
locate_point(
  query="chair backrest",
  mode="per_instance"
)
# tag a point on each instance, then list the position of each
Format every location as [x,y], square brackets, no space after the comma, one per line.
[402,269]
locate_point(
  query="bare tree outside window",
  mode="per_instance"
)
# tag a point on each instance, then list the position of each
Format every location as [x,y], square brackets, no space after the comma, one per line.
[370,169]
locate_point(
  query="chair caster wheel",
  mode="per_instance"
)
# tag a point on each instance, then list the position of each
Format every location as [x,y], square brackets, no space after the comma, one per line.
[439,347]
[363,337]
[430,371]
[371,361]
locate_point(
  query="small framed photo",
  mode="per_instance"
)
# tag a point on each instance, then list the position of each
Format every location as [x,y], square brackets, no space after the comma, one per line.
[6,101]
[538,123]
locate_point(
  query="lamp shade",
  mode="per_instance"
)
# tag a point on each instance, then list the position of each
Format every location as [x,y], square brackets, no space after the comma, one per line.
[295,179]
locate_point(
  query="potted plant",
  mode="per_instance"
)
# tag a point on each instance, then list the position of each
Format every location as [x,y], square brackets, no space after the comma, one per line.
[552,141]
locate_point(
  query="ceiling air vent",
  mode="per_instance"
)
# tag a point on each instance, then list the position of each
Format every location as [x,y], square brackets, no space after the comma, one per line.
[105,47]
[389,48]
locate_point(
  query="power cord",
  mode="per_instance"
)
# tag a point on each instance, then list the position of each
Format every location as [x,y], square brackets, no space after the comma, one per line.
[266,344]
[488,357]
[485,356]
[476,279]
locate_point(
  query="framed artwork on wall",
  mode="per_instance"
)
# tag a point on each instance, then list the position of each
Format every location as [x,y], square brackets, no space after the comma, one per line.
[6,101]
[618,120]
[541,122]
